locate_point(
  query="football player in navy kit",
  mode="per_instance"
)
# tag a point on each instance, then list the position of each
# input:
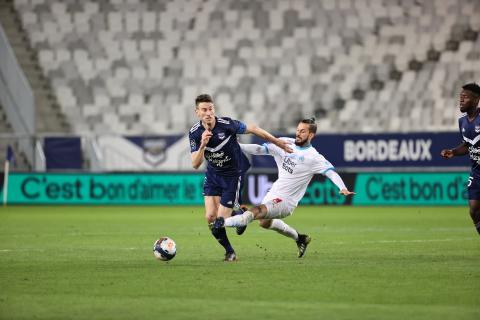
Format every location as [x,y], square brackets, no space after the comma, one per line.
[215,139]
[469,125]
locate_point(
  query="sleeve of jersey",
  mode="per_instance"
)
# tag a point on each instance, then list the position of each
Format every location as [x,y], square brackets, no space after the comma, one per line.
[241,127]
[336,179]
[322,165]
[194,143]
[272,149]
[254,149]
[460,130]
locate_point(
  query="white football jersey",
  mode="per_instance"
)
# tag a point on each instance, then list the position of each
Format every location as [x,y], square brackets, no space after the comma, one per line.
[295,170]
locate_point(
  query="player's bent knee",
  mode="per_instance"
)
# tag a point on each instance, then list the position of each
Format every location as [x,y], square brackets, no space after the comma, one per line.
[265,223]
[259,212]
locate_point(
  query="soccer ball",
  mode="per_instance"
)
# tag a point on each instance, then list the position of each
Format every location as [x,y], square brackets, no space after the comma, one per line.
[164,249]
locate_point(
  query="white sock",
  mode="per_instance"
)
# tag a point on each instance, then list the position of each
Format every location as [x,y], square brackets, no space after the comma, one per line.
[239,220]
[284,229]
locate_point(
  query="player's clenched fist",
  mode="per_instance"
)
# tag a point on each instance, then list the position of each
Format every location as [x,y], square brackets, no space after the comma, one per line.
[206,135]
[446,153]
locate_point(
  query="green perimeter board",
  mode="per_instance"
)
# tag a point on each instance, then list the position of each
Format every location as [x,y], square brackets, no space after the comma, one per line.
[432,188]
[446,188]
[80,188]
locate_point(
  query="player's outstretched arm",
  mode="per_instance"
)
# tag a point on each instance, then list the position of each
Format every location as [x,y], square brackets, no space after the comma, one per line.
[332,175]
[461,150]
[254,149]
[259,132]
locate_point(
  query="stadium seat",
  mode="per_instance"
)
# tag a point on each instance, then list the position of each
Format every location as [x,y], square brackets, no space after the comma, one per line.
[295,59]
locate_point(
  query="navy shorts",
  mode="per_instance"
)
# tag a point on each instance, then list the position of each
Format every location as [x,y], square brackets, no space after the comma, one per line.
[473,187]
[229,189]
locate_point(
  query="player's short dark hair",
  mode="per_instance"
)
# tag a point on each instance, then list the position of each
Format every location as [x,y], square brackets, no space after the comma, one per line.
[203,98]
[312,126]
[473,87]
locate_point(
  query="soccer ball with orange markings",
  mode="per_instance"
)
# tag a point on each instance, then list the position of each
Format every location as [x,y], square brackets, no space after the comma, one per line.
[164,249]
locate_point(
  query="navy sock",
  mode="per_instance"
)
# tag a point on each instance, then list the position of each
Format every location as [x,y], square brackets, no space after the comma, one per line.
[237,212]
[221,236]
[478,227]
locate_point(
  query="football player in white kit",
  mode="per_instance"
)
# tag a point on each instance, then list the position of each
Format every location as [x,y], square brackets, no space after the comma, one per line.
[295,170]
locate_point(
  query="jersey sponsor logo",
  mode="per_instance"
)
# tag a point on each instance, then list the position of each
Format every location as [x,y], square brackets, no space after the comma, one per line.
[217,158]
[474,153]
[288,165]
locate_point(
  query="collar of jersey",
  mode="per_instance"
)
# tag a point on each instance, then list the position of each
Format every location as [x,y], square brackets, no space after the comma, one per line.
[303,148]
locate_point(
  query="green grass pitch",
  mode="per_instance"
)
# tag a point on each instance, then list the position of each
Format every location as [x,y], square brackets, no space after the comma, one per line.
[363,263]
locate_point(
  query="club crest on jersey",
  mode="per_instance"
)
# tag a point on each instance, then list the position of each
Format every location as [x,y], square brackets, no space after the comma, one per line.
[477,129]
[193,144]
[221,135]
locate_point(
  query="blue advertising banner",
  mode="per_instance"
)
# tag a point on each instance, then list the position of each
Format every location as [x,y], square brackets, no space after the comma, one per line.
[63,153]
[381,150]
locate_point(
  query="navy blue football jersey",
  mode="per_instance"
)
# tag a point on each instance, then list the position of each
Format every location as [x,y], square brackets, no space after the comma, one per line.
[470,131]
[223,152]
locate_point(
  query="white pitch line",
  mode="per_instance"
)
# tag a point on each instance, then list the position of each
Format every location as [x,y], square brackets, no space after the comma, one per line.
[419,240]
[404,241]
[44,250]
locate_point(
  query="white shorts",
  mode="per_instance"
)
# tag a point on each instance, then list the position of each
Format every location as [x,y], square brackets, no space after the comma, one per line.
[277,208]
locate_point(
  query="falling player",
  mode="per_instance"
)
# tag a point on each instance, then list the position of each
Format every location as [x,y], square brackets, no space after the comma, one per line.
[469,125]
[295,170]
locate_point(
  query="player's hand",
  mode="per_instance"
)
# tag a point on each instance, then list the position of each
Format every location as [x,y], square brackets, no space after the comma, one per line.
[345,192]
[206,135]
[284,145]
[447,153]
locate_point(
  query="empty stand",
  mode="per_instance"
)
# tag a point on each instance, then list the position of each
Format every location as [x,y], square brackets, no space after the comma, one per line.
[135,66]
